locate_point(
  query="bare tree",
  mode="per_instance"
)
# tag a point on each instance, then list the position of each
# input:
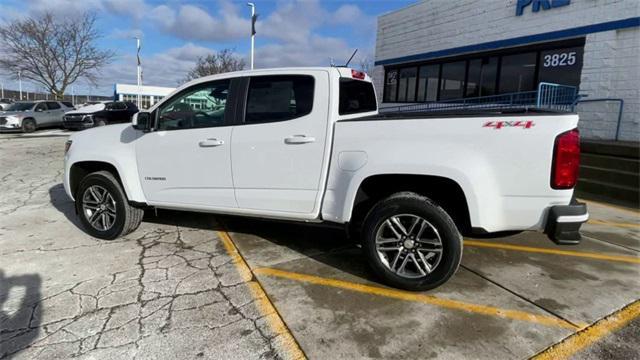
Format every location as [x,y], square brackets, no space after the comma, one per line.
[52,52]
[216,63]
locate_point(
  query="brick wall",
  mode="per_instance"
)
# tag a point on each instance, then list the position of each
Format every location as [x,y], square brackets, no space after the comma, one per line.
[611,59]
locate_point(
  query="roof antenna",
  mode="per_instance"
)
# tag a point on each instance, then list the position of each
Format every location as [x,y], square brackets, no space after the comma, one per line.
[352,55]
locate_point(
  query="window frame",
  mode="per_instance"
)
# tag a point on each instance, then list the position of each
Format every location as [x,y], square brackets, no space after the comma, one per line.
[229,111]
[244,102]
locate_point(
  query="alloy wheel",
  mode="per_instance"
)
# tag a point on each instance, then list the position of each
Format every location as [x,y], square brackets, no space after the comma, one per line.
[408,245]
[99,207]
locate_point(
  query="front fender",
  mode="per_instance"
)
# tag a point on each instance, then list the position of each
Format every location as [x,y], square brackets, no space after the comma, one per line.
[113,145]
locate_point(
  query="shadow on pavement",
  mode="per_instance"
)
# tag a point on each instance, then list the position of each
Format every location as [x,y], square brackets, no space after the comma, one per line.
[19,325]
[326,245]
[329,246]
[59,199]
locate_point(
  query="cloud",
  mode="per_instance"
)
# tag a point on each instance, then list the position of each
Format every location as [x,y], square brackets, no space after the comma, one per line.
[315,51]
[168,68]
[295,33]
[133,8]
[191,22]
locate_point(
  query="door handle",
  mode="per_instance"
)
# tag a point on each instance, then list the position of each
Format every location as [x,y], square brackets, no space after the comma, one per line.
[210,143]
[299,139]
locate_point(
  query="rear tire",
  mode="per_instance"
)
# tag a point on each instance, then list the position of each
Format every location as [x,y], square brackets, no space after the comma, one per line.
[103,207]
[410,242]
[29,125]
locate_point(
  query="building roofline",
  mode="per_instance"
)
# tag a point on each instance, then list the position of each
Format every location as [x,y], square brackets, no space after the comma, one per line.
[521,40]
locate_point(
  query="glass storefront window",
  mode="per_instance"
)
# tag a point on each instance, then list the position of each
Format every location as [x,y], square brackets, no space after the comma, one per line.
[518,73]
[481,80]
[452,82]
[407,84]
[391,86]
[428,83]
[562,66]
[479,75]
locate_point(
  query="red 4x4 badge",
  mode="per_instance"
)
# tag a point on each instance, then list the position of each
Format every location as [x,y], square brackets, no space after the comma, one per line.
[502,124]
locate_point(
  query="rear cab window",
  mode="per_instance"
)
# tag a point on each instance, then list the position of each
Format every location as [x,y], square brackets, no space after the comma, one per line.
[356,96]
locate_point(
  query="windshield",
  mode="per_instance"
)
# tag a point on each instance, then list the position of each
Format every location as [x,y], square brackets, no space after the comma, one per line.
[23,106]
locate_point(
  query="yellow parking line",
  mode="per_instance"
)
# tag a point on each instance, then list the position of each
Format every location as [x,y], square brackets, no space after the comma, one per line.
[620,258]
[591,334]
[425,299]
[265,306]
[629,210]
[613,223]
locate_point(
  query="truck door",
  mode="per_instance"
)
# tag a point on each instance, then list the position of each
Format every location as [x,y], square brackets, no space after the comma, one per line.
[186,159]
[278,151]
[55,112]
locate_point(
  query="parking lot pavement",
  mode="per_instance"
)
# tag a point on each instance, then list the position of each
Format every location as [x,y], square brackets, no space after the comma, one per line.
[169,290]
[191,285]
[50,132]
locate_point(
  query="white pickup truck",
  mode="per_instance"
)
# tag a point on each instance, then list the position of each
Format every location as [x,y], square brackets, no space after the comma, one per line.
[308,144]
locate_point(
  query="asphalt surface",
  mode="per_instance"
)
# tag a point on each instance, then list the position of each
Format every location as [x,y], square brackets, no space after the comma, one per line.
[188,285]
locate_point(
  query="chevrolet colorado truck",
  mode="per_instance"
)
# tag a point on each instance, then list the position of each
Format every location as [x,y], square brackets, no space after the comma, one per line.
[308,145]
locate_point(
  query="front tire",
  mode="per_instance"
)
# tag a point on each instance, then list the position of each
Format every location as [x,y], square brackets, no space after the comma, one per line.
[29,125]
[103,207]
[411,243]
[100,122]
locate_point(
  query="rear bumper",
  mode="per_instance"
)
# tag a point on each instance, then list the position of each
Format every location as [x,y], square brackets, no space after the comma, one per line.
[564,221]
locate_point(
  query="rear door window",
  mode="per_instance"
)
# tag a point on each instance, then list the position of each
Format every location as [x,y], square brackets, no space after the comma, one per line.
[279,98]
[53,105]
[356,97]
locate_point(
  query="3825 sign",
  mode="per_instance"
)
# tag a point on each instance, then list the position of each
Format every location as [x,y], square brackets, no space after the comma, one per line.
[559,59]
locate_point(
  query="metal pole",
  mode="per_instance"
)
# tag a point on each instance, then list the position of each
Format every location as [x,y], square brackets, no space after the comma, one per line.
[253,13]
[2,88]
[139,77]
[20,82]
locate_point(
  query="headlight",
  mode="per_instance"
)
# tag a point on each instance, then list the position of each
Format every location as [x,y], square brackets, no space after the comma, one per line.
[87,118]
[67,146]
[14,118]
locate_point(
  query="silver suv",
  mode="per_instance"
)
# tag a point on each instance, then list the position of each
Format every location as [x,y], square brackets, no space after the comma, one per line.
[31,115]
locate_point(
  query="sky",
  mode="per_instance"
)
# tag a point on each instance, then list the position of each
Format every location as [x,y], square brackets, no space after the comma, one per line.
[175,33]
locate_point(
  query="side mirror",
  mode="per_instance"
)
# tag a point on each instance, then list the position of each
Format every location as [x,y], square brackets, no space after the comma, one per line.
[142,121]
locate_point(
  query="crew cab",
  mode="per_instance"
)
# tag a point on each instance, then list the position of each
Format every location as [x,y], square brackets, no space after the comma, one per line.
[308,145]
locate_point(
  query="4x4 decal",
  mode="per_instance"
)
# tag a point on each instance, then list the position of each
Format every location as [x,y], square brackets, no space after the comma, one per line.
[502,124]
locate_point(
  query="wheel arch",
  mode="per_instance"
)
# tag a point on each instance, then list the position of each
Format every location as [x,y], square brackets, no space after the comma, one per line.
[80,169]
[444,191]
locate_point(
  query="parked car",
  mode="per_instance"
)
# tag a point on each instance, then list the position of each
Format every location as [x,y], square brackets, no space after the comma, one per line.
[31,115]
[308,145]
[100,114]
[4,103]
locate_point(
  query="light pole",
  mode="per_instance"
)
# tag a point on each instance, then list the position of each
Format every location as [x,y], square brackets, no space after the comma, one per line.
[20,82]
[253,29]
[73,94]
[139,73]
[2,89]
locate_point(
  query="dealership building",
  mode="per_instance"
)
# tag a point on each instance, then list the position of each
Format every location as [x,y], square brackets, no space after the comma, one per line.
[446,50]
[149,95]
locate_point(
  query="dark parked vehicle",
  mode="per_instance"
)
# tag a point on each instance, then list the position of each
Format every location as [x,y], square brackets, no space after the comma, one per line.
[104,113]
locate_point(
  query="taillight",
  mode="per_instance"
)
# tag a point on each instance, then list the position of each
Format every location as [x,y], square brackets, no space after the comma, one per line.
[358,74]
[566,160]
